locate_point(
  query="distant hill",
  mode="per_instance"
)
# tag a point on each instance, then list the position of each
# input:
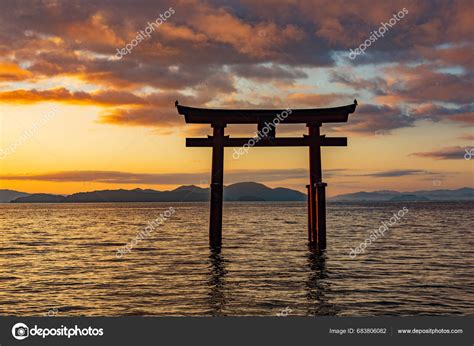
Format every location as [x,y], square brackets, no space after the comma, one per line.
[464,194]
[237,192]
[6,196]
[39,198]
[259,192]
[248,191]
[409,198]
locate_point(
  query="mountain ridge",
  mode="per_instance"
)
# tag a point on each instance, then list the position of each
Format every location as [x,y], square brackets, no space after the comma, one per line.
[8,195]
[245,191]
[462,194]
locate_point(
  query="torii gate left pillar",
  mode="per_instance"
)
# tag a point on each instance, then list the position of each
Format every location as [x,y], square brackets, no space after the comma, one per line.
[217,186]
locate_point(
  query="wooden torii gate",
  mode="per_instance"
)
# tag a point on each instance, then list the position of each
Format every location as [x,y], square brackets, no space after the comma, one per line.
[313,118]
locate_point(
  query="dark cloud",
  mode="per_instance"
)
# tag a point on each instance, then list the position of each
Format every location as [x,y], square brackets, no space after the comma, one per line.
[376,85]
[113,177]
[411,94]
[421,84]
[402,84]
[398,173]
[260,72]
[464,113]
[449,153]
[377,119]
[232,176]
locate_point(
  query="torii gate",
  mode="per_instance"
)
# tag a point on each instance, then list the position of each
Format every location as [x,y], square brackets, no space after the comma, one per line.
[313,118]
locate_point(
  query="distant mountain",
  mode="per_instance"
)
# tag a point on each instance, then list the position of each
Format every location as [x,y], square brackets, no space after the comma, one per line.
[258,192]
[464,194]
[247,191]
[409,198]
[236,192]
[39,198]
[138,195]
[6,196]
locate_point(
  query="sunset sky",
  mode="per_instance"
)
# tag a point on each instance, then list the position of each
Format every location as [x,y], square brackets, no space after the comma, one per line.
[76,117]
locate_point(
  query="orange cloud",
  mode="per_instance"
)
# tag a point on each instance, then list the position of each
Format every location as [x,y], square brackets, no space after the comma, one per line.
[317,100]
[108,97]
[95,31]
[257,40]
[143,116]
[175,32]
[13,72]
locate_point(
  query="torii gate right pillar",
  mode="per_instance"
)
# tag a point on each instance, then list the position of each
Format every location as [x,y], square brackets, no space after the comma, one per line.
[316,191]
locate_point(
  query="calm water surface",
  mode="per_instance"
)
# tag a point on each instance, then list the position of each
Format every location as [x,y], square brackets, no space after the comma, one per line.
[63,256]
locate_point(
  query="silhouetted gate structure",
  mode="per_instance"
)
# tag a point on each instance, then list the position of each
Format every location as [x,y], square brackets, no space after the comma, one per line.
[313,118]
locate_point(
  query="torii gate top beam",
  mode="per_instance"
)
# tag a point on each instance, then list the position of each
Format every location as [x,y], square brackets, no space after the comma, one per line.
[255,116]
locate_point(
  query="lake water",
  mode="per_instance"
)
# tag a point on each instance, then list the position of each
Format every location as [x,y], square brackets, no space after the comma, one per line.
[62,259]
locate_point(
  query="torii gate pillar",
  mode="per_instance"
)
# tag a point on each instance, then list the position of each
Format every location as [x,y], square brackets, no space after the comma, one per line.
[316,191]
[217,186]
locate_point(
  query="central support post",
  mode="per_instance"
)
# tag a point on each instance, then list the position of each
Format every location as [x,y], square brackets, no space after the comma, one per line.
[217,183]
[316,191]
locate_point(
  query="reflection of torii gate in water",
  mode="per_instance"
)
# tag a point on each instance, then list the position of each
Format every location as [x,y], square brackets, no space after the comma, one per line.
[313,118]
